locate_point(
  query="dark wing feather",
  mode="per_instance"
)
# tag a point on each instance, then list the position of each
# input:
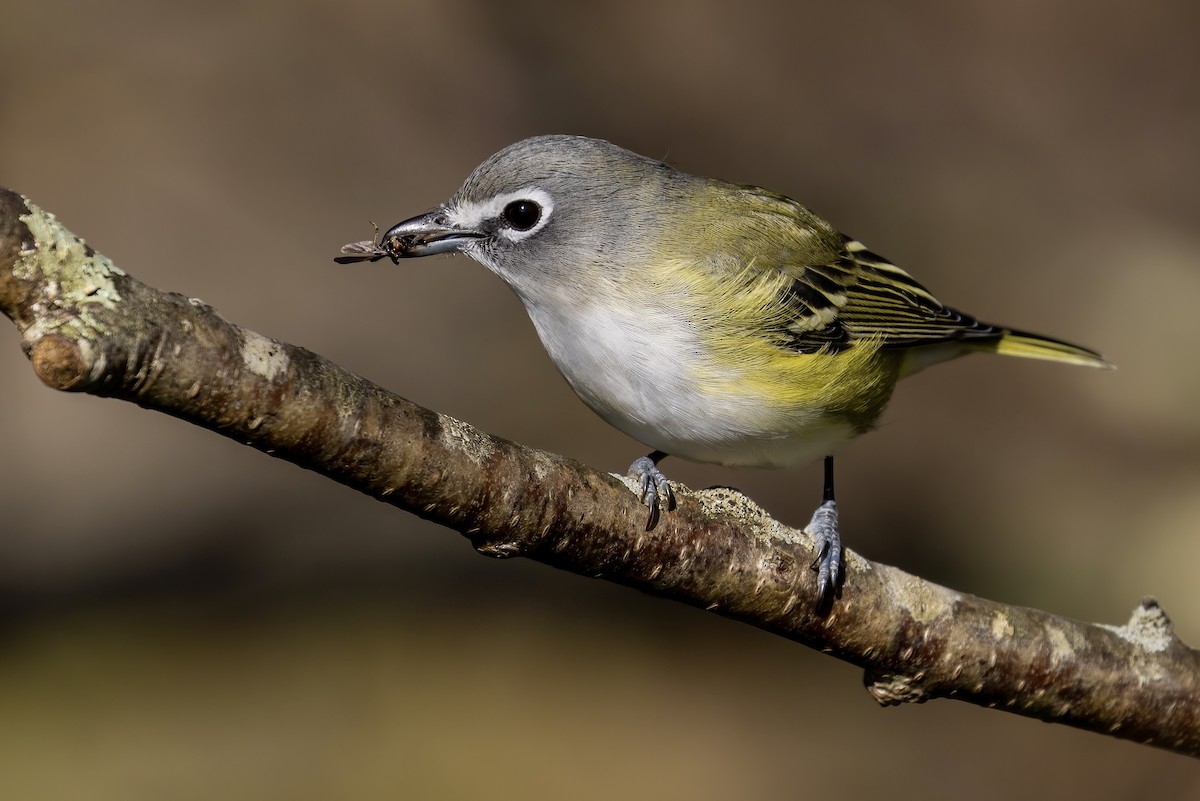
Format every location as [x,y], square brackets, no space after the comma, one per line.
[860,295]
[835,292]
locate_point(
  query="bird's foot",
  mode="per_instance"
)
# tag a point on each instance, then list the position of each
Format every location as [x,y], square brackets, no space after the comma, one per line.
[654,489]
[824,529]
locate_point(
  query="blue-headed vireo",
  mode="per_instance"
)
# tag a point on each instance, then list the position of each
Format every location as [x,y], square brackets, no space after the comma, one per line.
[716,322]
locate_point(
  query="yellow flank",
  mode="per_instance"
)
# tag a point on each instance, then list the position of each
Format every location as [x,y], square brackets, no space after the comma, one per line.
[730,281]
[742,322]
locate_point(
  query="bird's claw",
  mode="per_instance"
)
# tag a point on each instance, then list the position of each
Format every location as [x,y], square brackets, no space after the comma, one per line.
[824,529]
[654,490]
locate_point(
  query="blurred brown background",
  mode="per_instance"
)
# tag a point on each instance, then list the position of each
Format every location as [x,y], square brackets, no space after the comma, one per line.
[187,618]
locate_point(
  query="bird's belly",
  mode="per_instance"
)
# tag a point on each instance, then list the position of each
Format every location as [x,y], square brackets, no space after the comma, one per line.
[728,442]
[653,381]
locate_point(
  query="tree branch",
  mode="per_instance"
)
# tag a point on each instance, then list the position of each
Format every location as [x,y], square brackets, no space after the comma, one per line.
[88,327]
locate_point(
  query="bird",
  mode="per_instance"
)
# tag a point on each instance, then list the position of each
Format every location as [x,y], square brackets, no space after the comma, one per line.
[712,321]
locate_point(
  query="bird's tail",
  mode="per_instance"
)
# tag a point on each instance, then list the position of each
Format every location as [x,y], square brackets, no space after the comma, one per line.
[1036,346]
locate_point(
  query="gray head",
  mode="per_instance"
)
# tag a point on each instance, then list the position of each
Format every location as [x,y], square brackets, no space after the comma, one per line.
[546,207]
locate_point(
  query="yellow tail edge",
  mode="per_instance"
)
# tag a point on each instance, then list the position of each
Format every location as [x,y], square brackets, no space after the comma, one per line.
[1035,346]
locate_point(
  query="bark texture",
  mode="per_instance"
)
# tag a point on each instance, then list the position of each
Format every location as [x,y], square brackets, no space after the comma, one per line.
[89,327]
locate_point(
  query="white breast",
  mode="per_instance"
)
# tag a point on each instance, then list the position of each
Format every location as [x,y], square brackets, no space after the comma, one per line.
[638,371]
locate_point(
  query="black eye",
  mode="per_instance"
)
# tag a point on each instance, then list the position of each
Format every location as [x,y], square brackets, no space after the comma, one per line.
[522,214]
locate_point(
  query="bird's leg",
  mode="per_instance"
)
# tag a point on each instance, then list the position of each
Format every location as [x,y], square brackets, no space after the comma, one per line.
[654,489]
[824,529]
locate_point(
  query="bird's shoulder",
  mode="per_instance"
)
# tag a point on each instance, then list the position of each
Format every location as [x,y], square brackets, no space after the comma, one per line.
[833,291]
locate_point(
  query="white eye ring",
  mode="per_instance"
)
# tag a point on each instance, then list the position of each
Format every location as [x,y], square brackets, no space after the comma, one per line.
[478,216]
[533,194]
